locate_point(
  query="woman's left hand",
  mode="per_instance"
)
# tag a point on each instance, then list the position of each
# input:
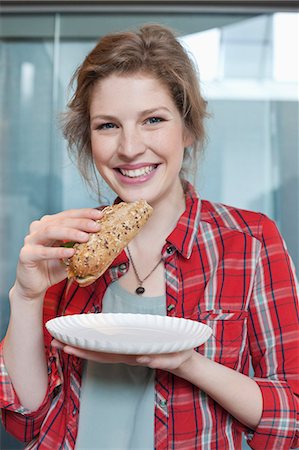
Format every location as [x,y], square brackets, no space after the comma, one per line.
[209,376]
[167,361]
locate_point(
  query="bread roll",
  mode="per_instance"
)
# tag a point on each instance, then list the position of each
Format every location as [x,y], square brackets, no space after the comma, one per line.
[119,225]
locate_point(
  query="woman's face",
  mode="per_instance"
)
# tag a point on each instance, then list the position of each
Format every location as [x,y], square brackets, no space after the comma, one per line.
[137,137]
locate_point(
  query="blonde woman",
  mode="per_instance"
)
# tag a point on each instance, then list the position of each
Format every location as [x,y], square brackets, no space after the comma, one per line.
[137,115]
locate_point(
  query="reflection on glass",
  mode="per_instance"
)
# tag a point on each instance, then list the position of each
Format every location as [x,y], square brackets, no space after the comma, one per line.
[205,49]
[251,83]
[285,47]
[252,158]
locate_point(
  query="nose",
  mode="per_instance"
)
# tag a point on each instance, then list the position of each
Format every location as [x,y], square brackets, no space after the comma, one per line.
[130,142]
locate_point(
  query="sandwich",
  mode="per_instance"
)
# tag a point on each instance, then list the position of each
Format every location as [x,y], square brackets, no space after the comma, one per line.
[119,225]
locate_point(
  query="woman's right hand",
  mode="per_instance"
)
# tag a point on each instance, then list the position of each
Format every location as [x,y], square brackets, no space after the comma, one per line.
[40,261]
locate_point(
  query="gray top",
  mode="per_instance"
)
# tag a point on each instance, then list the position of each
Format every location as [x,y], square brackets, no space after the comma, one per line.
[117,401]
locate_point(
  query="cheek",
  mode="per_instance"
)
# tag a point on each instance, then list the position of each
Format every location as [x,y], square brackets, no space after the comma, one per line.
[177,145]
[100,150]
[168,143]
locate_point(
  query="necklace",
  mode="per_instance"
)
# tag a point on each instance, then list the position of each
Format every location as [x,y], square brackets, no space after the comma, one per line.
[140,289]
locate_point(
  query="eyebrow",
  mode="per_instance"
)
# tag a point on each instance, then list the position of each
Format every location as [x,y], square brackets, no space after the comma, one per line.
[153,110]
[142,113]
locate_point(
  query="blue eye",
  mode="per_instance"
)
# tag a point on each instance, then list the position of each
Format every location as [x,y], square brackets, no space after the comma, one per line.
[153,120]
[106,126]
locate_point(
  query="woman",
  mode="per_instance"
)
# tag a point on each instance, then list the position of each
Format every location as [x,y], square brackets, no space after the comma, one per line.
[136,115]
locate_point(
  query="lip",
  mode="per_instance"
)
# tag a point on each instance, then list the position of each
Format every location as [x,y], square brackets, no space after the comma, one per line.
[135,166]
[136,180]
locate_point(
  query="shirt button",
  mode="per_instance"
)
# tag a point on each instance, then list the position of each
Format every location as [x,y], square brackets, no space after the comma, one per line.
[170,307]
[170,250]
[163,403]
[122,267]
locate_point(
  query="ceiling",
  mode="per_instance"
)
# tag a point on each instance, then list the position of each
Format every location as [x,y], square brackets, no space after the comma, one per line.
[25,6]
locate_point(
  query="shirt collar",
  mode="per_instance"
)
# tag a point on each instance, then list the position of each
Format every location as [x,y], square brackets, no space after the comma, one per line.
[186,230]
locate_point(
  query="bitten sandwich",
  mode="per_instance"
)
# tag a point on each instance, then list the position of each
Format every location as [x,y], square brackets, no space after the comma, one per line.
[119,225]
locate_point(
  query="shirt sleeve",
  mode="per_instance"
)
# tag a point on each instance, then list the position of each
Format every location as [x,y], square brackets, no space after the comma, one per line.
[19,421]
[274,337]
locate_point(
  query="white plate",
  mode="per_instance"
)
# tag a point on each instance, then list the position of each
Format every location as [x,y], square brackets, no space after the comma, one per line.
[133,334]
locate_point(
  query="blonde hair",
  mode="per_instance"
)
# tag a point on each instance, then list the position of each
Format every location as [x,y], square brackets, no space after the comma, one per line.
[153,50]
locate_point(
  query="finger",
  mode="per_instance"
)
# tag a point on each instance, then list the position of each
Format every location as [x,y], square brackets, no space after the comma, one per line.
[57,344]
[84,354]
[51,234]
[89,213]
[33,254]
[34,226]
[100,357]
[160,361]
[143,360]
[152,361]
[84,224]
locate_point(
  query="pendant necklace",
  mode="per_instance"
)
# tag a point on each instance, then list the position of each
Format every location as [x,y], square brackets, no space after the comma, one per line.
[140,289]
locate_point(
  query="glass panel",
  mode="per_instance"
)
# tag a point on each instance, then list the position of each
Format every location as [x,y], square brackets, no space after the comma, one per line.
[251,160]
[252,157]
[247,49]
[29,172]
[29,166]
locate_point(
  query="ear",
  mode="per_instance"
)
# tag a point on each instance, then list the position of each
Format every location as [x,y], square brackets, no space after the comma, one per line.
[188,138]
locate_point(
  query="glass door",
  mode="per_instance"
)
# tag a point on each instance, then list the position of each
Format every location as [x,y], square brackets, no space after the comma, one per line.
[251,160]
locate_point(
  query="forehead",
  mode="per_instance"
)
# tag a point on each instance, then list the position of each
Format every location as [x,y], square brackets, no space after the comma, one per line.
[136,90]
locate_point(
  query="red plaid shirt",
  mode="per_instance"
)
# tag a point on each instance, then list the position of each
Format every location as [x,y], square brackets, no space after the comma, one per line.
[225,267]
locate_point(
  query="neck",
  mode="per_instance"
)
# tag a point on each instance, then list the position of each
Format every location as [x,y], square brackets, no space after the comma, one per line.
[162,222]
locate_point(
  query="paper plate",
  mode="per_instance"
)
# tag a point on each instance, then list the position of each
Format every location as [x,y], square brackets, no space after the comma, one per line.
[133,334]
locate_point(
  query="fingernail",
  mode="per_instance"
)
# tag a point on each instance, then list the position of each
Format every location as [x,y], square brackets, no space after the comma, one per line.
[57,344]
[68,252]
[143,359]
[95,225]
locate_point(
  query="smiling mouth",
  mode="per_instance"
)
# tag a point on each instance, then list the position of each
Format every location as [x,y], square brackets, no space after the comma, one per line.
[135,173]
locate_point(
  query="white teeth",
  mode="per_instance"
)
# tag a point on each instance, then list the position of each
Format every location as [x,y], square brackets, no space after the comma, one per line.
[137,172]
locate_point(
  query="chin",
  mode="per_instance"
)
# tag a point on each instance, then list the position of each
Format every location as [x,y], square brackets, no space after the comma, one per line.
[136,196]
[131,195]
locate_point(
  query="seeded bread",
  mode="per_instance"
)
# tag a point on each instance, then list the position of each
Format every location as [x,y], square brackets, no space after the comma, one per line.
[119,225]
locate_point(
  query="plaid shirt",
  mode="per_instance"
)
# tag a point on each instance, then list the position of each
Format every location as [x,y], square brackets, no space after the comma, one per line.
[225,267]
